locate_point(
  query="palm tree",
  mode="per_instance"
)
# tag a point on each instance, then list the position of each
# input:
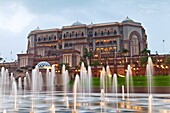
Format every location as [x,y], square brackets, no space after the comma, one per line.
[88,55]
[144,60]
[167,61]
[67,67]
[95,64]
[1,58]
[145,52]
[125,53]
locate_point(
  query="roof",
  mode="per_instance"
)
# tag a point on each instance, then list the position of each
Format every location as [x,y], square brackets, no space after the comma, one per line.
[43,64]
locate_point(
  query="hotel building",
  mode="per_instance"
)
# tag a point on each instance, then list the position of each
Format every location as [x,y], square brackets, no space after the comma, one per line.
[67,45]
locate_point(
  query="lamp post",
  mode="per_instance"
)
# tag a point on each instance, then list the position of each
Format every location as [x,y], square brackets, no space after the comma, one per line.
[163,46]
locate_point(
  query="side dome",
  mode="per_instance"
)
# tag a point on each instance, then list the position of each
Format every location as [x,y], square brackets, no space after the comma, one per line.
[43,65]
[127,19]
[77,23]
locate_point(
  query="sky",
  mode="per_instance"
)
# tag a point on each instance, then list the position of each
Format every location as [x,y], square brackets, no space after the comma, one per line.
[19,17]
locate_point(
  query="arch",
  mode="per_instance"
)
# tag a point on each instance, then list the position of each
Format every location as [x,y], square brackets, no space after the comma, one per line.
[135,40]
[108,32]
[90,34]
[64,35]
[115,32]
[82,34]
[135,33]
[95,34]
[115,42]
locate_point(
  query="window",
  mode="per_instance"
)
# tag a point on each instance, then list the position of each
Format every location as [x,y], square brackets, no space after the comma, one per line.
[135,44]
[97,43]
[70,35]
[115,42]
[108,32]
[95,34]
[70,44]
[39,39]
[115,32]
[66,45]
[49,37]
[64,36]
[67,34]
[102,33]
[60,47]
[91,44]
[82,34]
[67,58]
[110,42]
[90,34]
[76,35]
[101,43]
[73,33]
[54,37]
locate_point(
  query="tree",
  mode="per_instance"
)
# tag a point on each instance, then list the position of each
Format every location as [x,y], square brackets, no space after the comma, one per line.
[67,67]
[125,51]
[95,64]
[144,60]
[145,52]
[1,58]
[88,55]
[167,60]
[85,63]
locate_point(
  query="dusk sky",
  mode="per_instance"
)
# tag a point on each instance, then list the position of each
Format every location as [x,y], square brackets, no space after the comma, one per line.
[19,17]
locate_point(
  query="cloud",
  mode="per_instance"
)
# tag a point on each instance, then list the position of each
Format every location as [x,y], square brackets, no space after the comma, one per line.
[15,17]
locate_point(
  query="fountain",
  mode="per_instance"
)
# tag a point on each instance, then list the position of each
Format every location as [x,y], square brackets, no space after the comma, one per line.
[39,93]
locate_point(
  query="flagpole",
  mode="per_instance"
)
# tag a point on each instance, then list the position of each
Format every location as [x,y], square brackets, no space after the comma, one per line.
[163,46]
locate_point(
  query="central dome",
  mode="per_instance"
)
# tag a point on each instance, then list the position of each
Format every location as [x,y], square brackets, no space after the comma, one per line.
[43,65]
[77,23]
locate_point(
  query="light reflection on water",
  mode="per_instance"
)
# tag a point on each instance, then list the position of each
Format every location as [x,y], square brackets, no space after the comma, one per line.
[137,103]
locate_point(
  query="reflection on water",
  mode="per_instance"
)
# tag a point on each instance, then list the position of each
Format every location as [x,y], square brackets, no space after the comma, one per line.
[138,103]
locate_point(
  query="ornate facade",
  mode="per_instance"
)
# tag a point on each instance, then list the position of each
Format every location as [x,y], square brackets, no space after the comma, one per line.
[67,45]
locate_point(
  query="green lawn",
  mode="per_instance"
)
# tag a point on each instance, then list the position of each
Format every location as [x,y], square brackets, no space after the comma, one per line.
[138,81]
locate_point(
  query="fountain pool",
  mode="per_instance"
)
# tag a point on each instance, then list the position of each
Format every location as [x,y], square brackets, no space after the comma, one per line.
[16,98]
[137,103]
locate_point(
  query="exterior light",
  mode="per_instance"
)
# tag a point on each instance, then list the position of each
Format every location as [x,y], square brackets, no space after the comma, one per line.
[110,75]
